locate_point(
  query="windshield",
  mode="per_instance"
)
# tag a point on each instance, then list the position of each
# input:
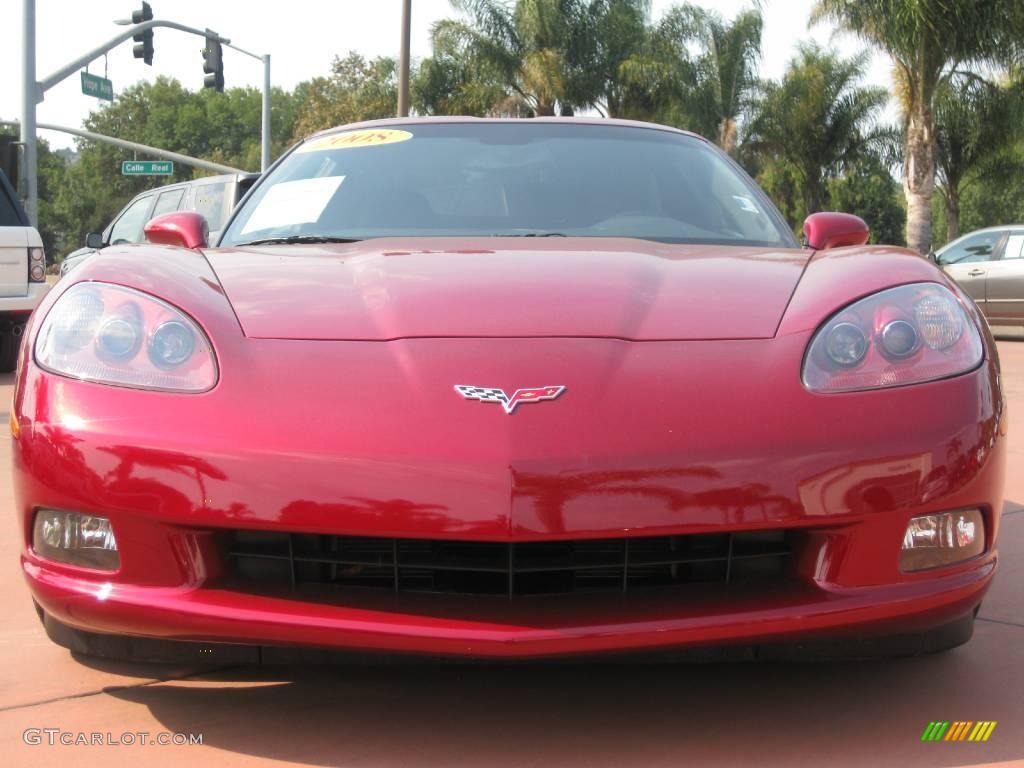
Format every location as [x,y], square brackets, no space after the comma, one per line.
[525,178]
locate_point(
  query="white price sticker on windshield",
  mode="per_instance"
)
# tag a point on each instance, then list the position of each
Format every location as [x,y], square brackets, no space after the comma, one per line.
[293,202]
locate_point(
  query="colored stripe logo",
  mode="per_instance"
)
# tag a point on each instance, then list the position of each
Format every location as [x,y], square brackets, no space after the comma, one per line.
[959,730]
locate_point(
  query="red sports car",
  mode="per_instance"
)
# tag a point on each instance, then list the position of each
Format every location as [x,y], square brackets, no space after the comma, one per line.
[507,388]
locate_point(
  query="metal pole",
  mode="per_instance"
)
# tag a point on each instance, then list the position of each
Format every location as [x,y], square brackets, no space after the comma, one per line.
[28,110]
[265,132]
[195,162]
[72,67]
[403,60]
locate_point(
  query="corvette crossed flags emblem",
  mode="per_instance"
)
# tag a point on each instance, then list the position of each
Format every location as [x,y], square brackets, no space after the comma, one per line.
[509,403]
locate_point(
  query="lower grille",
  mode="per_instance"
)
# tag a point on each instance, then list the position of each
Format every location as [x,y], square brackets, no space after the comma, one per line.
[269,559]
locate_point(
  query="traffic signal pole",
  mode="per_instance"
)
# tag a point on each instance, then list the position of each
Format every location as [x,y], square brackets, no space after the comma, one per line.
[33,91]
[28,109]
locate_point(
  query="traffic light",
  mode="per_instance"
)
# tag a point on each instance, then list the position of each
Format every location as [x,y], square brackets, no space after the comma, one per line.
[144,40]
[213,63]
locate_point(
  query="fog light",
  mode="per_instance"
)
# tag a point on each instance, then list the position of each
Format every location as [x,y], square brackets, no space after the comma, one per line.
[942,539]
[76,539]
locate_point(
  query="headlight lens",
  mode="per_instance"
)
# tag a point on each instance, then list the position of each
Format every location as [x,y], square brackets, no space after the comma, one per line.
[97,332]
[903,335]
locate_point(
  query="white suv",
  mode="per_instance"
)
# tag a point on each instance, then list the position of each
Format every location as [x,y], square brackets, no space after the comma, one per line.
[22,273]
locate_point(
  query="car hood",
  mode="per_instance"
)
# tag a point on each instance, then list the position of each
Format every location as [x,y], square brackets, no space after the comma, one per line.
[394,288]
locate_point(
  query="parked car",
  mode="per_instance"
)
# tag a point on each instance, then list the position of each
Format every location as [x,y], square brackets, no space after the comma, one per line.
[213,197]
[507,389]
[989,265]
[22,273]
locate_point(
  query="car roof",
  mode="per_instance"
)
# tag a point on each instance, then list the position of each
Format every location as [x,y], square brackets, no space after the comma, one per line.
[201,180]
[455,119]
[983,230]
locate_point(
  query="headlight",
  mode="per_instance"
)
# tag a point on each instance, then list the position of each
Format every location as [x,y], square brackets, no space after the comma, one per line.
[115,335]
[899,336]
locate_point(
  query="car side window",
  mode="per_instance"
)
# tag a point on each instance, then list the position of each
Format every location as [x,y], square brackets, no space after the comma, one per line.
[980,247]
[1014,246]
[211,202]
[128,228]
[168,202]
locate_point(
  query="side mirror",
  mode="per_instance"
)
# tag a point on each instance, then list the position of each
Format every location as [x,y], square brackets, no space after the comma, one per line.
[94,240]
[834,230]
[184,229]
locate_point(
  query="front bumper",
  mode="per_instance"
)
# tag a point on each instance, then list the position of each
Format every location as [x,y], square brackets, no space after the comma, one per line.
[366,447]
[546,627]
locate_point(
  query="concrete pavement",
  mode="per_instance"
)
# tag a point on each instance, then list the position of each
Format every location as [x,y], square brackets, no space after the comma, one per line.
[853,713]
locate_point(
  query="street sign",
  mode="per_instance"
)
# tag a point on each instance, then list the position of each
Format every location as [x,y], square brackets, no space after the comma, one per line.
[147,167]
[100,87]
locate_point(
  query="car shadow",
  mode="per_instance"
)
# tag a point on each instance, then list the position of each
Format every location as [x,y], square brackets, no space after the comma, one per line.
[576,714]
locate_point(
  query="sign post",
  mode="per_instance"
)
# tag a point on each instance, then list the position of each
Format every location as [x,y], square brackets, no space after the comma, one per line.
[147,168]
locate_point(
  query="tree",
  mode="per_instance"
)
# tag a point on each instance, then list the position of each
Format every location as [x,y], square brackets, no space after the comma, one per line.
[356,90]
[614,39]
[454,81]
[52,170]
[819,121]
[726,70]
[223,127]
[977,131]
[869,190]
[529,47]
[929,41]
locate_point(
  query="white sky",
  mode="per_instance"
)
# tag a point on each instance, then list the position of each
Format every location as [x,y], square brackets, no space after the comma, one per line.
[302,37]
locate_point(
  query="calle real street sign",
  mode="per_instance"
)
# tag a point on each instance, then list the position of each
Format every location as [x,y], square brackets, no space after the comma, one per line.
[147,167]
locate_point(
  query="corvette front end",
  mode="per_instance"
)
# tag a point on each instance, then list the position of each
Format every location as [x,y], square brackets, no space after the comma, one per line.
[671,429]
[342,494]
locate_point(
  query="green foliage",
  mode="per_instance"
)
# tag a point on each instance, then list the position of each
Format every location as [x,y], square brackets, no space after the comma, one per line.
[538,56]
[819,121]
[983,205]
[725,77]
[52,170]
[356,90]
[978,137]
[929,42]
[868,190]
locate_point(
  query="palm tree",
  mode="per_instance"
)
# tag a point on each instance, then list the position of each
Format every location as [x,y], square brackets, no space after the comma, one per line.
[727,71]
[541,53]
[818,121]
[526,45]
[977,130]
[715,68]
[611,40]
[929,41]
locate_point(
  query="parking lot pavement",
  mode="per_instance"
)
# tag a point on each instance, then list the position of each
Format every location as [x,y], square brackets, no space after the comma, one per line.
[855,713]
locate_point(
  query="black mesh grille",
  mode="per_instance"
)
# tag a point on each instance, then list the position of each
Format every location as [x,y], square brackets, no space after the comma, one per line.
[267,559]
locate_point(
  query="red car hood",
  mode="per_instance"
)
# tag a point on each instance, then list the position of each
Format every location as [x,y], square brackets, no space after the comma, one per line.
[508,287]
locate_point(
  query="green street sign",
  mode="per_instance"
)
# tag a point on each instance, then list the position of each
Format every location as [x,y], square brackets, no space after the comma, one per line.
[147,167]
[100,87]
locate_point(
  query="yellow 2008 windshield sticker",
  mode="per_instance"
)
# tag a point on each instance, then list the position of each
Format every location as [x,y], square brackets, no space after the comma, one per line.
[352,139]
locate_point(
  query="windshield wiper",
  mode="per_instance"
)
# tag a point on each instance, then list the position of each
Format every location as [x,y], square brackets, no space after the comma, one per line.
[299,240]
[532,234]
